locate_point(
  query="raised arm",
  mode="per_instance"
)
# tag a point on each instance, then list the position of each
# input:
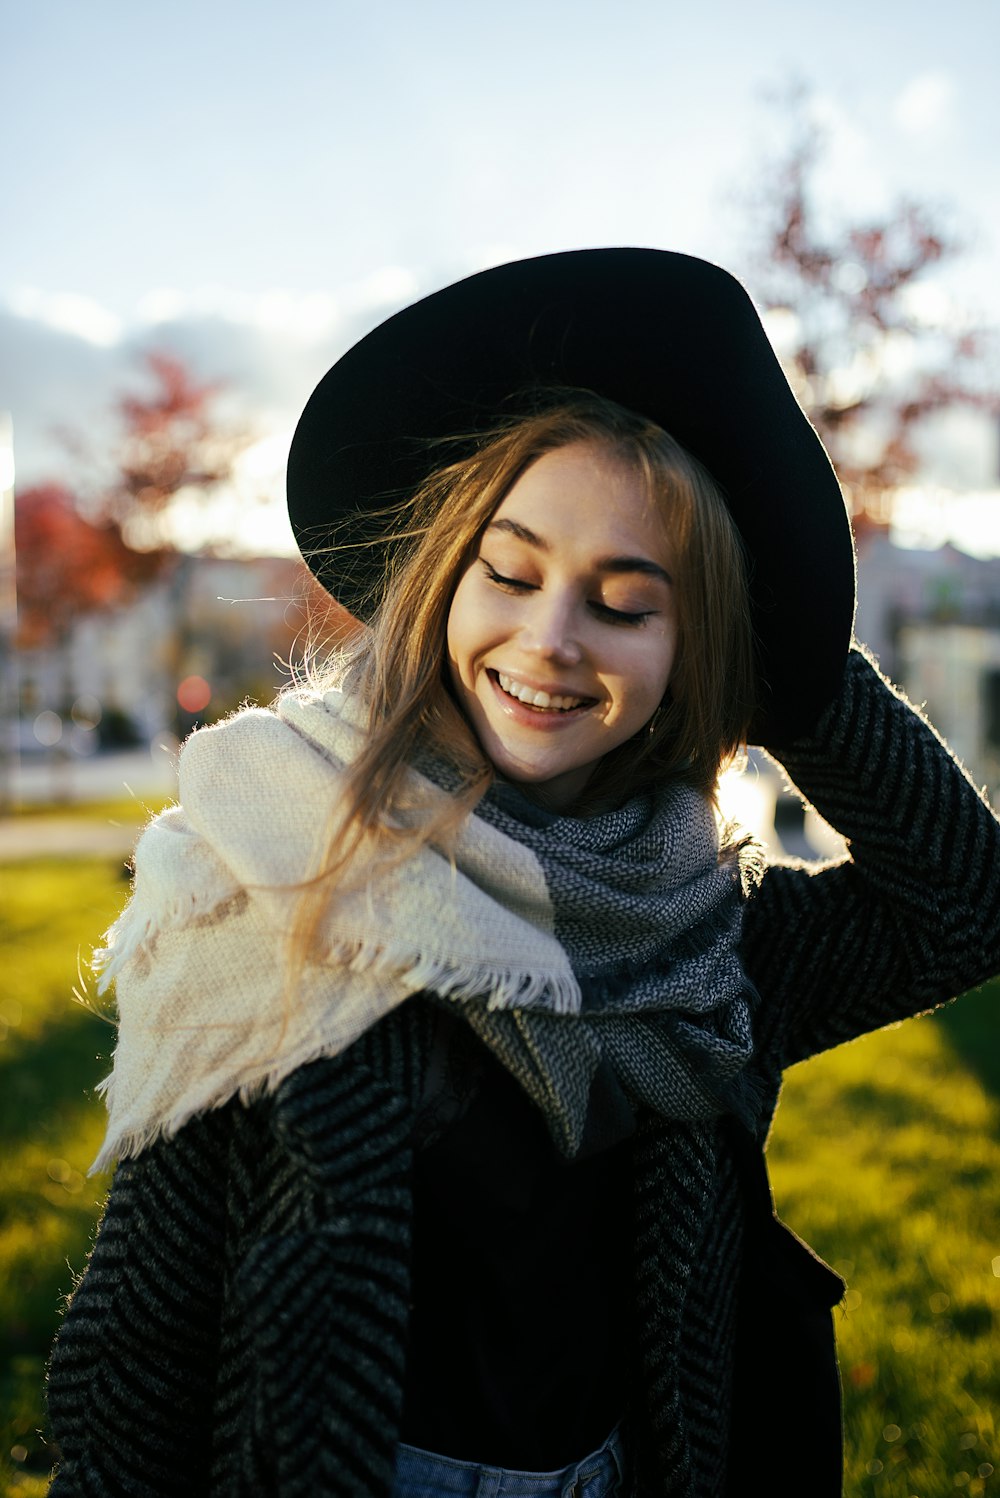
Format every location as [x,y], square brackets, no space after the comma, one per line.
[911,917]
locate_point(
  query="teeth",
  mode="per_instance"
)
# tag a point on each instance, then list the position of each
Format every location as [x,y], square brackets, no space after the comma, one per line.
[536,699]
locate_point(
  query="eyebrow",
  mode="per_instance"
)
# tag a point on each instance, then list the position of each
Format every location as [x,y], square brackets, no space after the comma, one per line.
[606,564]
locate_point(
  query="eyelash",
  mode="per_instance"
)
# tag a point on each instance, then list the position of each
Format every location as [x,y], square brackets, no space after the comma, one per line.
[612,616]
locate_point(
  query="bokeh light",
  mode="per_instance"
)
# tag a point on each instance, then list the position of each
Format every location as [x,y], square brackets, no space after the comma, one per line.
[194,694]
[86,711]
[48,728]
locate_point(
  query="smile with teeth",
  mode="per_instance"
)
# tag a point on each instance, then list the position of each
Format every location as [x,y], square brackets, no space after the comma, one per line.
[542,700]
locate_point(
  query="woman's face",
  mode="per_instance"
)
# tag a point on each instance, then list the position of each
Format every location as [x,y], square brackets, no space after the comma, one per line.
[562,631]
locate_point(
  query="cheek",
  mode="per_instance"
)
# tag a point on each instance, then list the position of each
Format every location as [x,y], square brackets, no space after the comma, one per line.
[477,619]
[645,684]
[649,667]
[456,613]
[465,627]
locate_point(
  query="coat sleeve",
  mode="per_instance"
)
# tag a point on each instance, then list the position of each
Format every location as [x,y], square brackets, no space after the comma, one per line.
[134,1361]
[911,916]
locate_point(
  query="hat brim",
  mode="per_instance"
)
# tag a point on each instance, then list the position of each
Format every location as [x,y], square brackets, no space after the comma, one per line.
[669,336]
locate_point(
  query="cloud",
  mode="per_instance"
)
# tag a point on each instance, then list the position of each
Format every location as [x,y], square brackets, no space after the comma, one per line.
[925,106]
[311,316]
[68,312]
[53,382]
[65,361]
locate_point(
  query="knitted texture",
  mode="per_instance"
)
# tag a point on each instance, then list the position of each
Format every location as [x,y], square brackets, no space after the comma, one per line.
[203,1354]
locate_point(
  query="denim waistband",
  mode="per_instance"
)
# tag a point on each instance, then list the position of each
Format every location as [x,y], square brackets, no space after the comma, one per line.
[424,1474]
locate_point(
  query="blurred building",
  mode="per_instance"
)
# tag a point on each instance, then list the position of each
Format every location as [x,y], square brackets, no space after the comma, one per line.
[192,646]
[215,632]
[933,620]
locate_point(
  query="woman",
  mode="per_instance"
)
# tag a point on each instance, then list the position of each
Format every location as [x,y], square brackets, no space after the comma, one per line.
[450,1028]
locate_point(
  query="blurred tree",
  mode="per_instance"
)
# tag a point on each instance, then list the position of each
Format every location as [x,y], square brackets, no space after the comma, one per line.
[172,441]
[67,566]
[97,550]
[869,344]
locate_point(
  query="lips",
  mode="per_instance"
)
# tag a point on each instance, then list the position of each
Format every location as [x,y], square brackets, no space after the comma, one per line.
[551,702]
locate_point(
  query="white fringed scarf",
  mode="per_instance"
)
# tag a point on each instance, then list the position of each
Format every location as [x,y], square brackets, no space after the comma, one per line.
[568,942]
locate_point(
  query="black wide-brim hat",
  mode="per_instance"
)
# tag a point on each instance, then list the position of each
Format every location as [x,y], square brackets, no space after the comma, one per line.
[671,337]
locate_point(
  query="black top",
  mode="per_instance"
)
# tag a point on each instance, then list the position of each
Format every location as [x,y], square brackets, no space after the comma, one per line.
[520,1276]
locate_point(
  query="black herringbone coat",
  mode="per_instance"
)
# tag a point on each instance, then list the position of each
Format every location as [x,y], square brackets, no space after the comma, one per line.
[240,1329]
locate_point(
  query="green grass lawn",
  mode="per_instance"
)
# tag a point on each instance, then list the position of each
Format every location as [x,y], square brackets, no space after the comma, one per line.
[886,1157]
[53,1051]
[129,810]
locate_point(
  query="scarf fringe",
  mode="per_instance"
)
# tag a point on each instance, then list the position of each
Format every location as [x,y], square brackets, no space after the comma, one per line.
[128,1142]
[502,988]
[123,942]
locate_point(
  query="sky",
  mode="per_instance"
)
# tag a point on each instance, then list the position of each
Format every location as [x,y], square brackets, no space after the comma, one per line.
[254,185]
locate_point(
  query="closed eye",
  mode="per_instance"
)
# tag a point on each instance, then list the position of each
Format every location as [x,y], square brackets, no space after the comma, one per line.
[602,610]
[508,584]
[620,616]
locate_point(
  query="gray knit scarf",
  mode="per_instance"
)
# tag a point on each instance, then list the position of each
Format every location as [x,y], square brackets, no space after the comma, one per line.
[649,910]
[597,957]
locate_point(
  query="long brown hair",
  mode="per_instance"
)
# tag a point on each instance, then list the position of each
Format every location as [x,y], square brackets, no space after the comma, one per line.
[397,666]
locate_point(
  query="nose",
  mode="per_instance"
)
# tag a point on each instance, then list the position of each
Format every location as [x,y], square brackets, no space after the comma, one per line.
[550,632]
